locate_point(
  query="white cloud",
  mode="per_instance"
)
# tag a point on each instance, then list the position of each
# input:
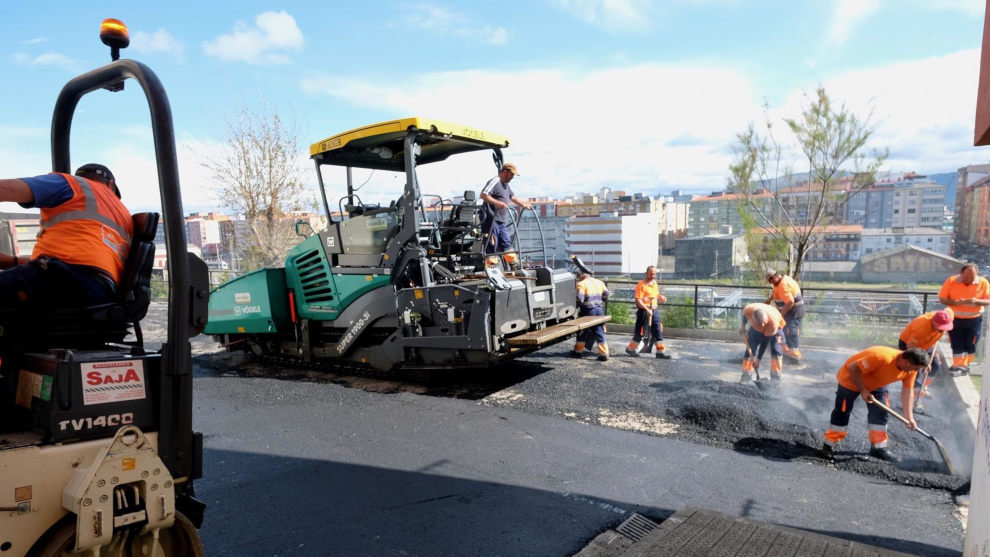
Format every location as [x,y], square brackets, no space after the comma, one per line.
[575,132]
[847,16]
[159,41]
[55,59]
[613,15]
[441,20]
[653,128]
[274,34]
[134,166]
[36,40]
[972,8]
[925,109]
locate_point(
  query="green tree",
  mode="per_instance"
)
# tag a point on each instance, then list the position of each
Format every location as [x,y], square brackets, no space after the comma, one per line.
[832,142]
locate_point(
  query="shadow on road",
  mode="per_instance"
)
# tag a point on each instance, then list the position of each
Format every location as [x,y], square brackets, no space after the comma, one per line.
[470,384]
[317,507]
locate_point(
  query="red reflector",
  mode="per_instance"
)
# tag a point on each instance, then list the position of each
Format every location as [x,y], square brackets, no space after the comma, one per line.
[292,306]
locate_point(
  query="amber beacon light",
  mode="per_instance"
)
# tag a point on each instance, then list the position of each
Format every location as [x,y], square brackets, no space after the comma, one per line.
[114,34]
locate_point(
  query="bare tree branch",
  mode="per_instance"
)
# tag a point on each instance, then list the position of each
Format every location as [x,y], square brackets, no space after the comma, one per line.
[830,138]
[256,177]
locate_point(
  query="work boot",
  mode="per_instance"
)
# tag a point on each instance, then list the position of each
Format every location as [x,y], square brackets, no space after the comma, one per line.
[827,452]
[632,352]
[883,453]
[602,358]
[575,354]
[663,355]
[746,377]
[958,371]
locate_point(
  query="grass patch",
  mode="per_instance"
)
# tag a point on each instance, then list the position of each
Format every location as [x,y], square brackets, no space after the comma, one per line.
[977,382]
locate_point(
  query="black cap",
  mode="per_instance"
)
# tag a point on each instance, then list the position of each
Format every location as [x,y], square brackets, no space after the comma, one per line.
[101,171]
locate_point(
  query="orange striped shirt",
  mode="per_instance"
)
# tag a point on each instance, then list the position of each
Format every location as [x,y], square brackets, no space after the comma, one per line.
[921,332]
[953,288]
[878,365]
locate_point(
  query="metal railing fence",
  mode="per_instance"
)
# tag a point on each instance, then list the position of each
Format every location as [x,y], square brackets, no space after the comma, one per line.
[873,315]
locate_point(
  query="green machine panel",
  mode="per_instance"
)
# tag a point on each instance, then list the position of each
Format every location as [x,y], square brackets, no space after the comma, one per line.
[321,294]
[253,303]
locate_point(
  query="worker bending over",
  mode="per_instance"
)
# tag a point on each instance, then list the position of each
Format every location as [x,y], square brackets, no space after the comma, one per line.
[591,295]
[966,294]
[787,297]
[648,323]
[766,327]
[924,332]
[866,375]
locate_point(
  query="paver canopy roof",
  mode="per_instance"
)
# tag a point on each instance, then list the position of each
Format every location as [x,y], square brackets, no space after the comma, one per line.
[382,146]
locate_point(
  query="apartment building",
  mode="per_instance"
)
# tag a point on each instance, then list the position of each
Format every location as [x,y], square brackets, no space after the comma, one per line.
[718,213]
[840,242]
[905,200]
[614,244]
[971,230]
[545,232]
[881,239]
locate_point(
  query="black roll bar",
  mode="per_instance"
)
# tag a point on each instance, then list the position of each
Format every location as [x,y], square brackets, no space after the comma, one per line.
[175,442]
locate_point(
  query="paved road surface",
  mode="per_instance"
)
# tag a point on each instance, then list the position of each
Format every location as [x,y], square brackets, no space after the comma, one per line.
[302,468]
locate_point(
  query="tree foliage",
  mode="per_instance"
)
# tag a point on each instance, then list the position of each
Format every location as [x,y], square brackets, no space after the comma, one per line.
[256,176]
[784,221]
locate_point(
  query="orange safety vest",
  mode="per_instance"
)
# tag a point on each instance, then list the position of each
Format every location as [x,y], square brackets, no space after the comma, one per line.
[648,292]
[772,312]
[878,366]
[92,228]
[954,288]
[591,293]
[921,331]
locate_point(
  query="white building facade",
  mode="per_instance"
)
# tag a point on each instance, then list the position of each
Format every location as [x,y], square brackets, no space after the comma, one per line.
[612,244]
[881,239]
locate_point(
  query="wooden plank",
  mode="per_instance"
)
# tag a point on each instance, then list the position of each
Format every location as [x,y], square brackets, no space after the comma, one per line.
[537,338]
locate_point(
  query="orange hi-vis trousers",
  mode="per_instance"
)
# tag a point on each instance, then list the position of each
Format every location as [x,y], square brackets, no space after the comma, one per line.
[875,417]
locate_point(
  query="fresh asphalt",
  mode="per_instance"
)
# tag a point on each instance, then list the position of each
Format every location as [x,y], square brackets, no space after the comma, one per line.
[302,467]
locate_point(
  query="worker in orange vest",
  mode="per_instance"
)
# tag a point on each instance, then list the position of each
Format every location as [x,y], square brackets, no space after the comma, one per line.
[84,241]
[866,375]
[924,332]
[766,327]
[787,297]
[966,294]
[591,295]
[648,323]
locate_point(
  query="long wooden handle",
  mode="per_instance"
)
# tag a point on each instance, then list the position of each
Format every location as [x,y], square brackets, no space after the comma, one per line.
[903,420]
[890,411]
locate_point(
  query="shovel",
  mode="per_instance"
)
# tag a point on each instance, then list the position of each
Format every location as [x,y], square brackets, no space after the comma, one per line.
[762,385]
[941,449]
[924,378]
[650,341]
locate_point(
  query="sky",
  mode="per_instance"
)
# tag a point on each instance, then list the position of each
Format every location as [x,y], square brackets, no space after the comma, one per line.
[637,95]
